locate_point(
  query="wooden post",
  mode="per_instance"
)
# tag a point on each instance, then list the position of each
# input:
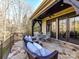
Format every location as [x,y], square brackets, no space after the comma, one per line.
[1,50]
[13,38]
[32,28]
[67,32]
[57,28]
[40,23]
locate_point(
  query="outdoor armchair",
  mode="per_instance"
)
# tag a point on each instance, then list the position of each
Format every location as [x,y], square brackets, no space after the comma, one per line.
[46,37]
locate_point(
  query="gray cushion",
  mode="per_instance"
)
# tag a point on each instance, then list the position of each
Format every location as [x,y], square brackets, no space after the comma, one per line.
[38,49]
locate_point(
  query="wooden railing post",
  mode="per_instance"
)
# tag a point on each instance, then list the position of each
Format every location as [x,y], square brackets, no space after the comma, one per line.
[1,49]
[11,40]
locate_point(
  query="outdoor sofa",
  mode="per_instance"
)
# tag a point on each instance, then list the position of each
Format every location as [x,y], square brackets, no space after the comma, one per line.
[42,37]
[31,55]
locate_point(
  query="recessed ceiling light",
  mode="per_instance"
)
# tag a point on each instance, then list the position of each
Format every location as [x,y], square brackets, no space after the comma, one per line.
[62,5]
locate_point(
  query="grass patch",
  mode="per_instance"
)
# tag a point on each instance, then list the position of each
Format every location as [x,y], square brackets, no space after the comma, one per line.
[4,50]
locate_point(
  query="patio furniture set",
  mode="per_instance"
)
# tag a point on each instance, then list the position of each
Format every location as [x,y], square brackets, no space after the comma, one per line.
[42,37]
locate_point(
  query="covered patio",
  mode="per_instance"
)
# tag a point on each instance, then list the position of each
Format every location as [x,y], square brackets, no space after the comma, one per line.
[66,50]
[58,18]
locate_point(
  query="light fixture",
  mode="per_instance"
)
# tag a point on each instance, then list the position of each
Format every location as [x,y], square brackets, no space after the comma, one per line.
[62,5]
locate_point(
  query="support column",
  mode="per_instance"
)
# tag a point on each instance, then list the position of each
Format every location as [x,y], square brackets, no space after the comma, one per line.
[40,23]
[67,32]
[32,28]
[41,26]
[57,29]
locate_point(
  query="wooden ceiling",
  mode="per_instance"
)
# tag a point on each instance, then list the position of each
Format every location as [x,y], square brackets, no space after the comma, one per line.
[45,5]
[54,9]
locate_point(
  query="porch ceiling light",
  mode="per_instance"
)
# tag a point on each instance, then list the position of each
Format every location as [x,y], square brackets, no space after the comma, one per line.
[62,5]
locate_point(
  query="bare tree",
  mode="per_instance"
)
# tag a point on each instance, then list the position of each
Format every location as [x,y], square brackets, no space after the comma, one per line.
[15,12]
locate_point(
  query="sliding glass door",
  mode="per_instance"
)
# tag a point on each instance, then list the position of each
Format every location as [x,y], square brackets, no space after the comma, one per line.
[62,29]
[48,26]
[53,34]
[51,27]
[74,27]
[77,27]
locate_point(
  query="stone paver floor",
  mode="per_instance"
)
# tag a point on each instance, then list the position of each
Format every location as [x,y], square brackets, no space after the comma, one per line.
[66,50]
[17,51]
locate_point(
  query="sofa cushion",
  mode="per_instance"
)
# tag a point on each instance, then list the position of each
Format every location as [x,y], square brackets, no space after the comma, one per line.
[37,45]
[38,49]
[31,47]
[45,52]
[28,38]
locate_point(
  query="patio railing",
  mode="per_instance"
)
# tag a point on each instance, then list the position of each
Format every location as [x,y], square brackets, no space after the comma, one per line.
[5,46]
[1,49]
